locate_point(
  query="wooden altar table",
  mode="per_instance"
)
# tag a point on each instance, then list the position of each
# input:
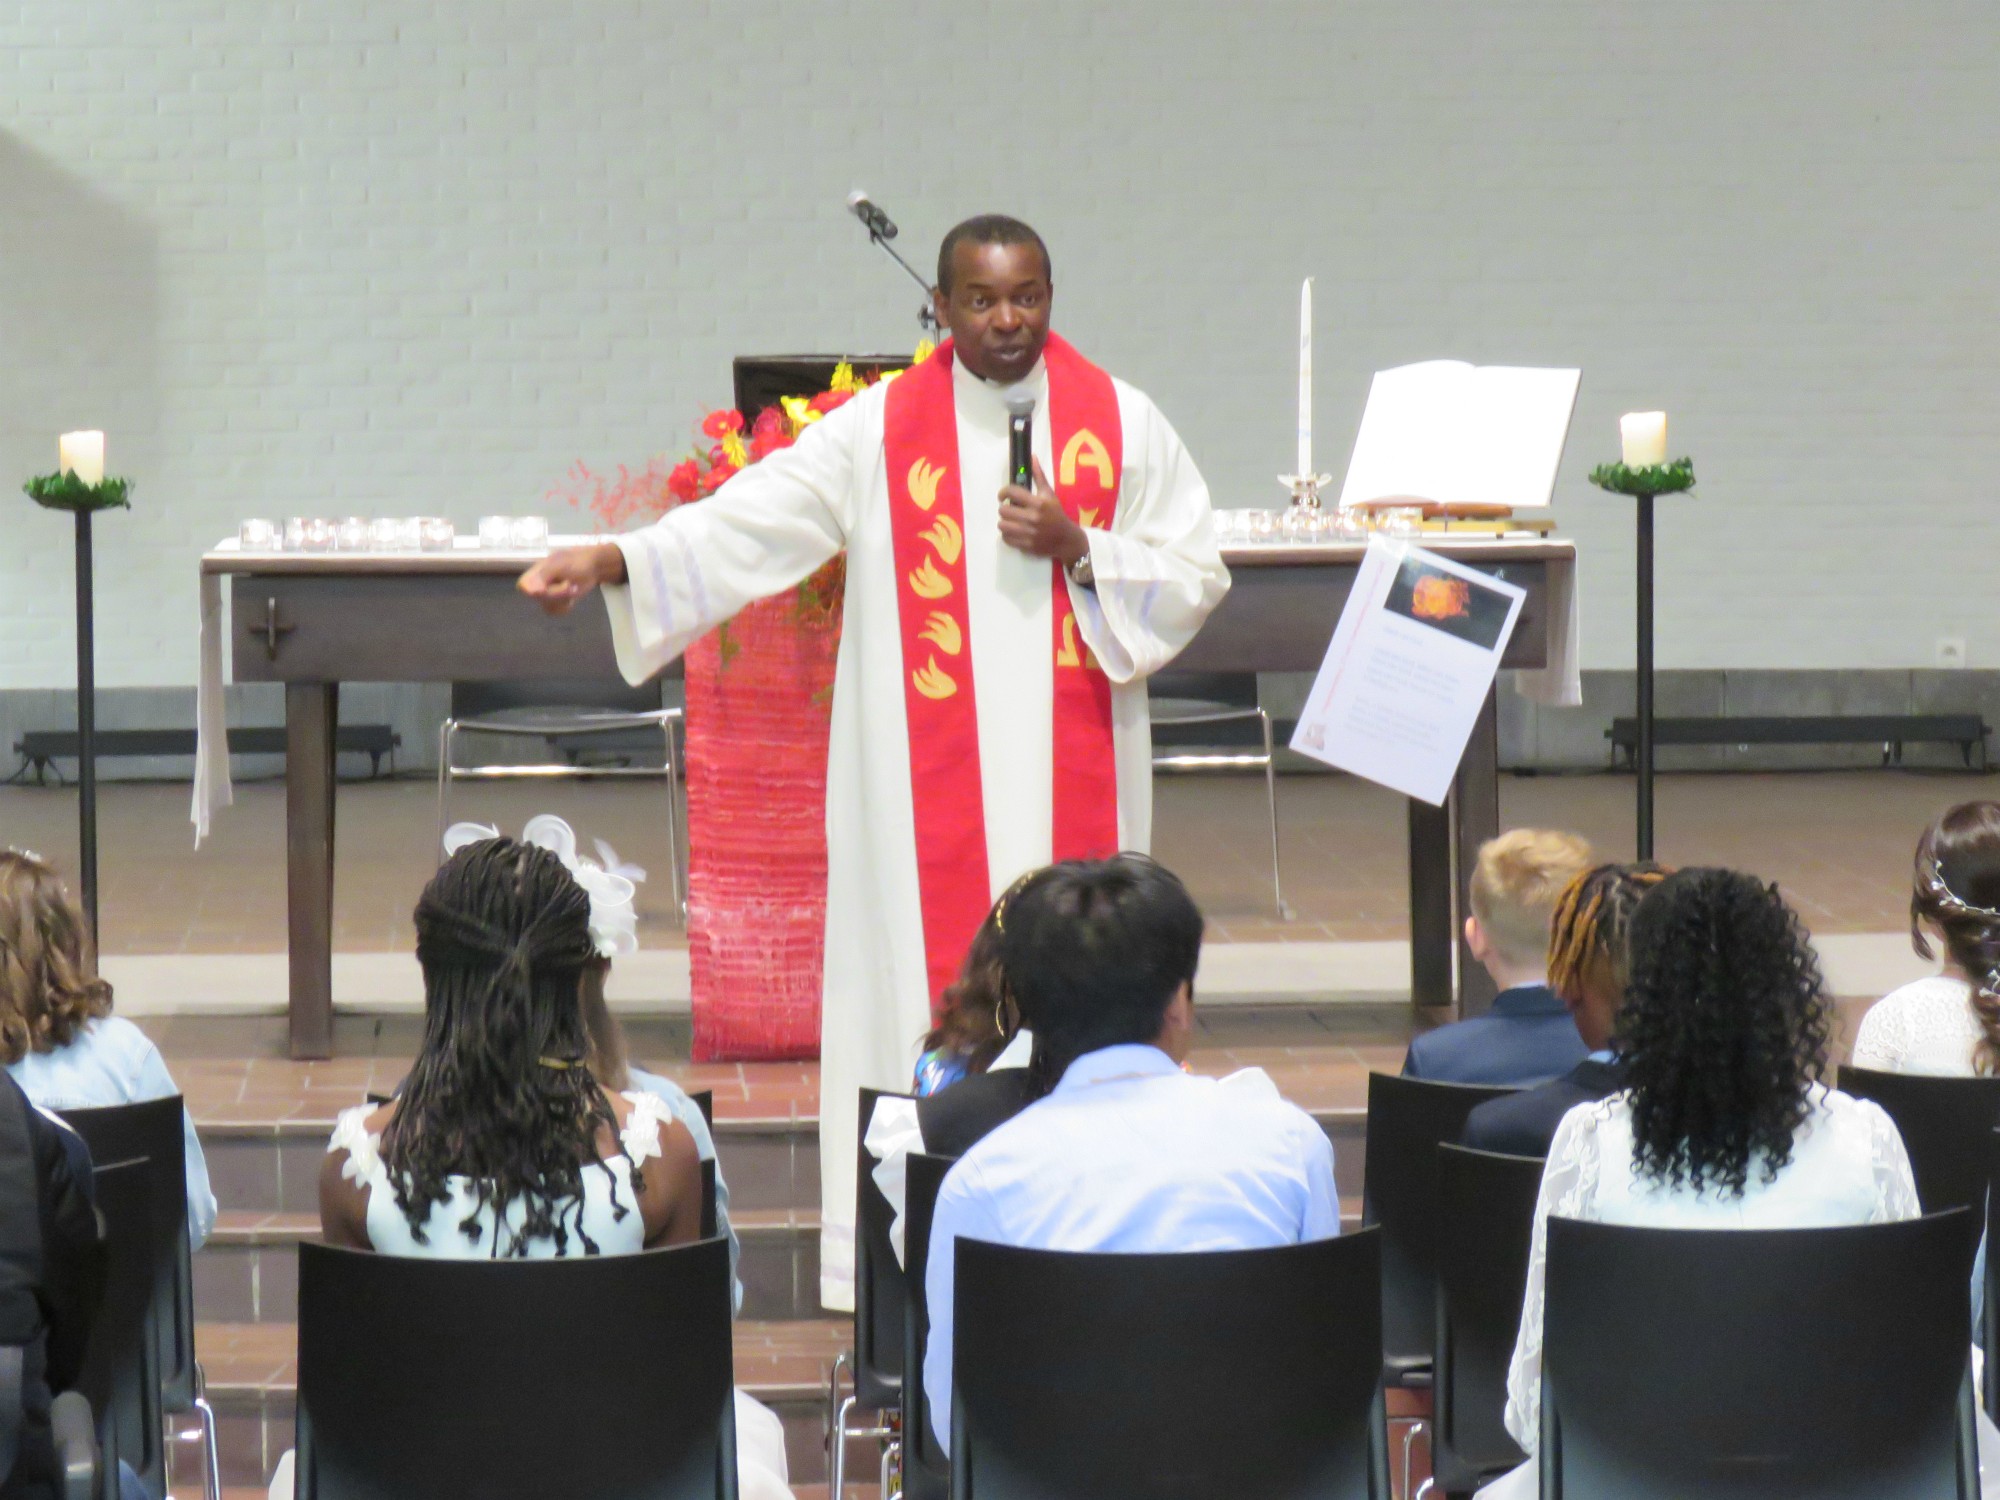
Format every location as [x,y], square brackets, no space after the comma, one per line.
[314,620]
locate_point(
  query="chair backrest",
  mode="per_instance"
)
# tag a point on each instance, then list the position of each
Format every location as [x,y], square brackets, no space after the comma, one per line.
[13,1406]
[1764,1363]
[1488,1201]
[1944,1123]
[926,1465]
[881,1291]
[154,1131]
[704,1100]
[1408,1119]
[472,700]
[606,1376]
[1169,1377]
[1989,1289]
[121,1370]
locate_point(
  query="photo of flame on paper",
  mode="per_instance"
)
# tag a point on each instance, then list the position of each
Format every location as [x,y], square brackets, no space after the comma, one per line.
[1457,605]
[1440,598]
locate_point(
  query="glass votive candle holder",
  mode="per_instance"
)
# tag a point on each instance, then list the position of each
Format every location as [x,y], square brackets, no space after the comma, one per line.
[295,534]
[382,534]
[319,534]
[1263,526]
[494,531]
[351,534]
[260,536]
[528,534]
[435,534]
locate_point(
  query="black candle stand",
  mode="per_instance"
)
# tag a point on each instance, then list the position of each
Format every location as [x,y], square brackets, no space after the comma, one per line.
[1645,486]
[67,492]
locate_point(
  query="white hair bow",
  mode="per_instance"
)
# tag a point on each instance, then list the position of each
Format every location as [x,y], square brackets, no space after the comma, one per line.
[611,885]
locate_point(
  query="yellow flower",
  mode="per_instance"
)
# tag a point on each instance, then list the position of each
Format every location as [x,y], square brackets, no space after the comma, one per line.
[734,449]
[844,378]
[798,412]
[925,349]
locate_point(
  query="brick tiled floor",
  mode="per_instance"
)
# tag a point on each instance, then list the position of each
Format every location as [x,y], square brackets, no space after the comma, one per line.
[1839,842]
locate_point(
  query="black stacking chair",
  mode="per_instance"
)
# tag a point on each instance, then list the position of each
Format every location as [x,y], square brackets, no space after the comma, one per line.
[710,1224]
[607,1376]
[1408,1119]
[1989,1313]
[1488,1201]
[1809,1364]
[881,1296]
[926,1465]
[1944,1123]
[153,1131]
[121,1370]
[1167,1377]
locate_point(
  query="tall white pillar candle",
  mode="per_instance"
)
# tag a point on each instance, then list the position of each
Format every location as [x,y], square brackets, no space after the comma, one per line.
[83,453]
[1306,379]
[1644,438]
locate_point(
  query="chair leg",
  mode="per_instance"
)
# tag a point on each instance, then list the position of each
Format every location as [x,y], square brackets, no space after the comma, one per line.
[841,1361]
[892,1459]
[836,1455]
[1271,797]
[212,1455]
[1409,1442]
[447,733]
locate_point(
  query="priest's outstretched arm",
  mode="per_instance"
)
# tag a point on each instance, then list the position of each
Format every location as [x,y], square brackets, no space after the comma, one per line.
[1157,570]
[671,582]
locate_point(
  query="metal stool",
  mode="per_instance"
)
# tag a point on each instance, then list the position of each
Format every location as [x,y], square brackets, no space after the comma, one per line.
[1184,700]
[571,718]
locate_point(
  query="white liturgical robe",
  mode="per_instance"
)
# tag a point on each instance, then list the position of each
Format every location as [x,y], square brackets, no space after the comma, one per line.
[1158,574]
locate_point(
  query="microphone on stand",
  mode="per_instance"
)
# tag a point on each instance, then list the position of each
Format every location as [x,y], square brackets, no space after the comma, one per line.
[1021,439]
[880,231]
[877,223]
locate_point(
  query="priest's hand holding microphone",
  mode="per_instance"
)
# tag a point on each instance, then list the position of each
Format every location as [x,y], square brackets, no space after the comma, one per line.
[1032,519]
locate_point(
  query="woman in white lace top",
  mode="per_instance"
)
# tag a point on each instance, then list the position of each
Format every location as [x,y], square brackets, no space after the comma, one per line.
[1725,1124]
[502,1144]
[1947,1024]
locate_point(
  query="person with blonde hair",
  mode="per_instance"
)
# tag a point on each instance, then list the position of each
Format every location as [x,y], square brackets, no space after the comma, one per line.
[1527,1037]
[58,1037]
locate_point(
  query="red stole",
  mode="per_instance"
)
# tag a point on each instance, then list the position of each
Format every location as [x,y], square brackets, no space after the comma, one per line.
[927,522]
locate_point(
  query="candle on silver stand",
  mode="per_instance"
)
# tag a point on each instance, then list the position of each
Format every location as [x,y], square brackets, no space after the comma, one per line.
[1305,484]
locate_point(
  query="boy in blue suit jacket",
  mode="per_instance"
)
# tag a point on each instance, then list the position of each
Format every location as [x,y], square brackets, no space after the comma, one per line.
[1528,1036]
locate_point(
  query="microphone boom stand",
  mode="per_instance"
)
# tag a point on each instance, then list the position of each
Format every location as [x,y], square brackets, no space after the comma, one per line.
[927,314]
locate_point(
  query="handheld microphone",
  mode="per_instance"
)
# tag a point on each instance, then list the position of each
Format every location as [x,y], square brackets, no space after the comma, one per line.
[873,218]
[1021,439]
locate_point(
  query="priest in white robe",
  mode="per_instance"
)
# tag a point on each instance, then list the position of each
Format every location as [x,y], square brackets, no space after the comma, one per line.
[989,705]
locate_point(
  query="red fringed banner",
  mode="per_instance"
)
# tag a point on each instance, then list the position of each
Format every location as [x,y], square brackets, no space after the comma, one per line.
[756,791]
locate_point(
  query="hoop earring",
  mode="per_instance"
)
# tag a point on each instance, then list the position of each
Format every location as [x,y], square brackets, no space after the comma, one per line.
[999,1016]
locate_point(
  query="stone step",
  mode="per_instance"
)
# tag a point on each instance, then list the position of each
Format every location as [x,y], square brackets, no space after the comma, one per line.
[248,1270]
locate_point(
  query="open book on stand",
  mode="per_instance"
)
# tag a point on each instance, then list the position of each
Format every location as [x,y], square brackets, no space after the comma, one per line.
[1473,439]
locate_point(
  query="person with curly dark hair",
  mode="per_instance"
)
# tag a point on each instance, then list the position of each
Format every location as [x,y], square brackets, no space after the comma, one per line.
[1725,1122]
[502,1143]
[1948,1023]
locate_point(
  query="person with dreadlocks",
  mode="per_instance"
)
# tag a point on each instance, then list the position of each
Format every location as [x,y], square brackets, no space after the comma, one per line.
[1724,1123]
[502,1144]
[1587,974]
[1948,1024]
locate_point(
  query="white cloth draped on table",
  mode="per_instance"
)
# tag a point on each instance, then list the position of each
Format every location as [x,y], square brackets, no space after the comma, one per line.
[1158,574]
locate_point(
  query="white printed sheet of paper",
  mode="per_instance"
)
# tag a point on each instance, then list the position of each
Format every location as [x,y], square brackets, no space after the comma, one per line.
[1408,669]
[1456,434]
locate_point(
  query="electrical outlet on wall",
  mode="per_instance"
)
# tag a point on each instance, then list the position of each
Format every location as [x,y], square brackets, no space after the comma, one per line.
[1951,651]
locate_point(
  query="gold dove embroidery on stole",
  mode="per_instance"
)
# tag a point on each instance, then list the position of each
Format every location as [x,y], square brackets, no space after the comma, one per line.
[924,479]
[926,582]
[942,631]
[933,681]
[1066,654]
[947,538]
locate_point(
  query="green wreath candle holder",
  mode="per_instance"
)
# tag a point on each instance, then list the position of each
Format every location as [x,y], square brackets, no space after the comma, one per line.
[1675,478]
[65,491]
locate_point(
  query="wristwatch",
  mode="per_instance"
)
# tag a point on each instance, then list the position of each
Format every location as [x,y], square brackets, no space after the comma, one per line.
[1080,572]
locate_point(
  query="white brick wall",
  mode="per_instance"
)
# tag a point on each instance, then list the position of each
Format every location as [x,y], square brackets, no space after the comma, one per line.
[365,255]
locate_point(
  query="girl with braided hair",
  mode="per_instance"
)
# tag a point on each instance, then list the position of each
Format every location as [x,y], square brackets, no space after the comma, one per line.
[1587,974]
[1948,1024]
[502,1143]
